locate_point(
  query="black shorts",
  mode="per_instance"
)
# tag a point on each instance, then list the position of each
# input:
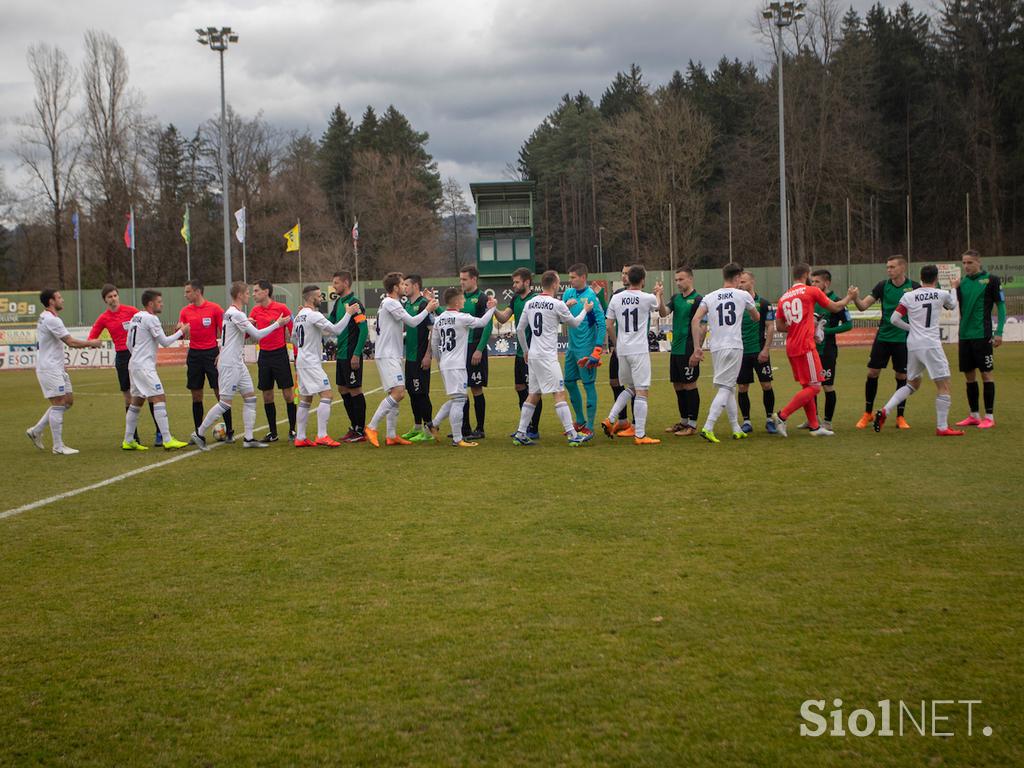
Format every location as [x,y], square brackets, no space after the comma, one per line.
[680,371]
[347,376]
[613,365]
[522,374]
[417,381]
[976,355]
[477,374]
[828,366]
[121,366]
[201,364]
[884,351]
[749,366]
[272,368]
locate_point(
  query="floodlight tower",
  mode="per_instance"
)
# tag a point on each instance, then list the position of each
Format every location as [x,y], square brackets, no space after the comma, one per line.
[218,40]
[782,15]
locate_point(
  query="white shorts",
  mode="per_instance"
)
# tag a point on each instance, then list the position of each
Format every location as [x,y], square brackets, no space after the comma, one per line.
[312,380]
[727,364]
[545,376]
[234,380]
[455,381]
[391,371]
[145,383]
[932,360]
[635,371]
[54,383]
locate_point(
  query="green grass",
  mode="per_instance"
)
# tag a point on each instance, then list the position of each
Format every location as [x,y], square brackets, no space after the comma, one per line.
[611,605]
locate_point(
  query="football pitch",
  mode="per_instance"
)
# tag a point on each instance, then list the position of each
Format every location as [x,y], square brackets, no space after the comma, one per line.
[669,605]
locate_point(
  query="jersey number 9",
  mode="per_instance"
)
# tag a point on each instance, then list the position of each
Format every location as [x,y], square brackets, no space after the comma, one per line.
[793,311]
[538,324]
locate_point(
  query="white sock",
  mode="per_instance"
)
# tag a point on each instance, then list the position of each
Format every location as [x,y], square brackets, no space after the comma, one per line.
[301,419]
[57,425]
[564,415]
[525,416]
[323,415]
[382,410]
[942,403]
[640,415]
[160,414]
[442,413]
[391,419]
[717,406]
[732,411]
[620,402]
[456,417]
[42,423]
[898,397]
[217,410]
[131,422]
[248,416]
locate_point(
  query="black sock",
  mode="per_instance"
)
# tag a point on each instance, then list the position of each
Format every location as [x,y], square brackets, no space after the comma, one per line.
[768,397]
[346,400]
[427,409]
[972,396]
[830,405]
[535,421]
[522,394]
[292,413]
[693,411]
[465,418]
[197,413]
[359,412]
[902,406]
[480,407]
[989,388]
[744,398]
[618,390]
[227,421]
[870,391]
[151,413]
[271,410]
[681,403]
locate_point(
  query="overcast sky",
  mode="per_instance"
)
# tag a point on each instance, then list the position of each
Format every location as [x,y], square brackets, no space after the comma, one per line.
[478,76]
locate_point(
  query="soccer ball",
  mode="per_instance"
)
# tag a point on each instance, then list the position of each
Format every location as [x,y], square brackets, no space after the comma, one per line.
[220,431]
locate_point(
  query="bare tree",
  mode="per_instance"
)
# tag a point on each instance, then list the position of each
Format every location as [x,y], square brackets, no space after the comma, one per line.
[453,204]
[49,145]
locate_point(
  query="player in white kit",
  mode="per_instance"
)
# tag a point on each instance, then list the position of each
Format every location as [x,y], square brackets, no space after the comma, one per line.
[310,327]
[628,319]
[918,313]
[144,334]
[53,378]
[724,310]
[389,353]
[448,342]
[543,315]
[233,377]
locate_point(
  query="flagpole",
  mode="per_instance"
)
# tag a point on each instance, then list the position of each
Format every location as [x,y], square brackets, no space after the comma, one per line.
[245,278]
[188,247]
[131,210]
[78,260]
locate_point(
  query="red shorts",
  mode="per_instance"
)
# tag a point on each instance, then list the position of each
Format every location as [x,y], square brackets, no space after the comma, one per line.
[807,368]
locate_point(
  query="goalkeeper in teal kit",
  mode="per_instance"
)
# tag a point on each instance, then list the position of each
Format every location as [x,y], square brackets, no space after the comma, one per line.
[586,345]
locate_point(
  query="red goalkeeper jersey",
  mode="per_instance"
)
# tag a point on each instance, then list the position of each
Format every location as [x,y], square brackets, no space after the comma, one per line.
[797,308]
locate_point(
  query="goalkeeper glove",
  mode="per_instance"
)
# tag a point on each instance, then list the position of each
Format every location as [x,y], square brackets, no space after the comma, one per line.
[592,360]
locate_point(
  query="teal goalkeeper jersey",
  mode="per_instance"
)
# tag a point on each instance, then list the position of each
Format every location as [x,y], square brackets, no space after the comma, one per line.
[591,332]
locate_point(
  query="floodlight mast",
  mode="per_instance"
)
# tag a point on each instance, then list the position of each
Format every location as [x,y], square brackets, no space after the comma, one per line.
[218,40]
[783,14]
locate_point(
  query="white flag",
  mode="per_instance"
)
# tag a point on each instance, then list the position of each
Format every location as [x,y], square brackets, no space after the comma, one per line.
[240,220]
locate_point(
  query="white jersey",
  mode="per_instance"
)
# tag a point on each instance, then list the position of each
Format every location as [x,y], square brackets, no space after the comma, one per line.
[450,337]
[725,316]
[50,333]
[310,327]
[922,308]
[392,318]
[543,316]
[232,336]
[144,334]
[631,311]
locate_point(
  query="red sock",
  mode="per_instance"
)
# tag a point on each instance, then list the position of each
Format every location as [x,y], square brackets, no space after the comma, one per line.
[811,409]
[799,401]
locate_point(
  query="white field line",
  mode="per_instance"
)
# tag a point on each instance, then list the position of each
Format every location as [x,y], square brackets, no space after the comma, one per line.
[186,454]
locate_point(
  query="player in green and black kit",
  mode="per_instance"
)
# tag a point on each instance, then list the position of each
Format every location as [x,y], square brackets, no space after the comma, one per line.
[756,345]
[522,292]
[349,358]
[890,342]
[476,362]
[828,351]
[417,361]
[683,306]
[978,294]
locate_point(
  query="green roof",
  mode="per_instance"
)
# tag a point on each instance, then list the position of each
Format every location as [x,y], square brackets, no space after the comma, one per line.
[502,188]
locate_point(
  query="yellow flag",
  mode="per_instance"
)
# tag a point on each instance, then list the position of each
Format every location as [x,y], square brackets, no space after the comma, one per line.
[292,239]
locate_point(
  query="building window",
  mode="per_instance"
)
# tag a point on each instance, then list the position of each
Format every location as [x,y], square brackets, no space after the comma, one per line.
[523,249]
[486,250]
[504,250]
